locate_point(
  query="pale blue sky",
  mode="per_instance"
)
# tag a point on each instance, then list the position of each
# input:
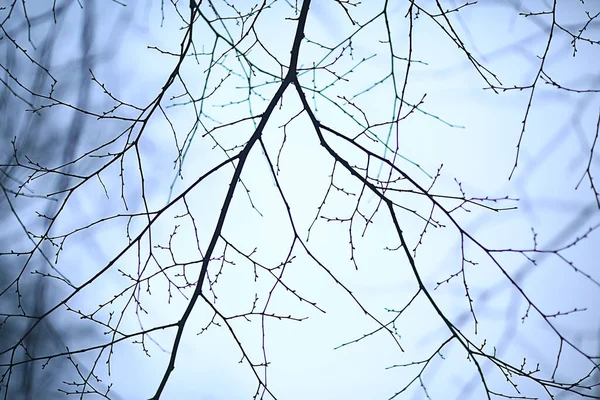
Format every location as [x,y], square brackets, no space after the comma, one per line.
[471,131]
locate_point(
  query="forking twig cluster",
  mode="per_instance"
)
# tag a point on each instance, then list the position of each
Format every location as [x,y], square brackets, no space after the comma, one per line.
[227,218]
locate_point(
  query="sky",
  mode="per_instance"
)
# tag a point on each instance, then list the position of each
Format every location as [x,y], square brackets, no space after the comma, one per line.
[459,138]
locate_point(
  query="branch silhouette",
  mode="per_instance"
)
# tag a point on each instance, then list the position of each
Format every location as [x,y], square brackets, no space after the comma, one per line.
[258,170]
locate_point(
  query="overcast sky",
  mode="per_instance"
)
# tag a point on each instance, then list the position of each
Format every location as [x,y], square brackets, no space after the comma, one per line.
[457,128]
